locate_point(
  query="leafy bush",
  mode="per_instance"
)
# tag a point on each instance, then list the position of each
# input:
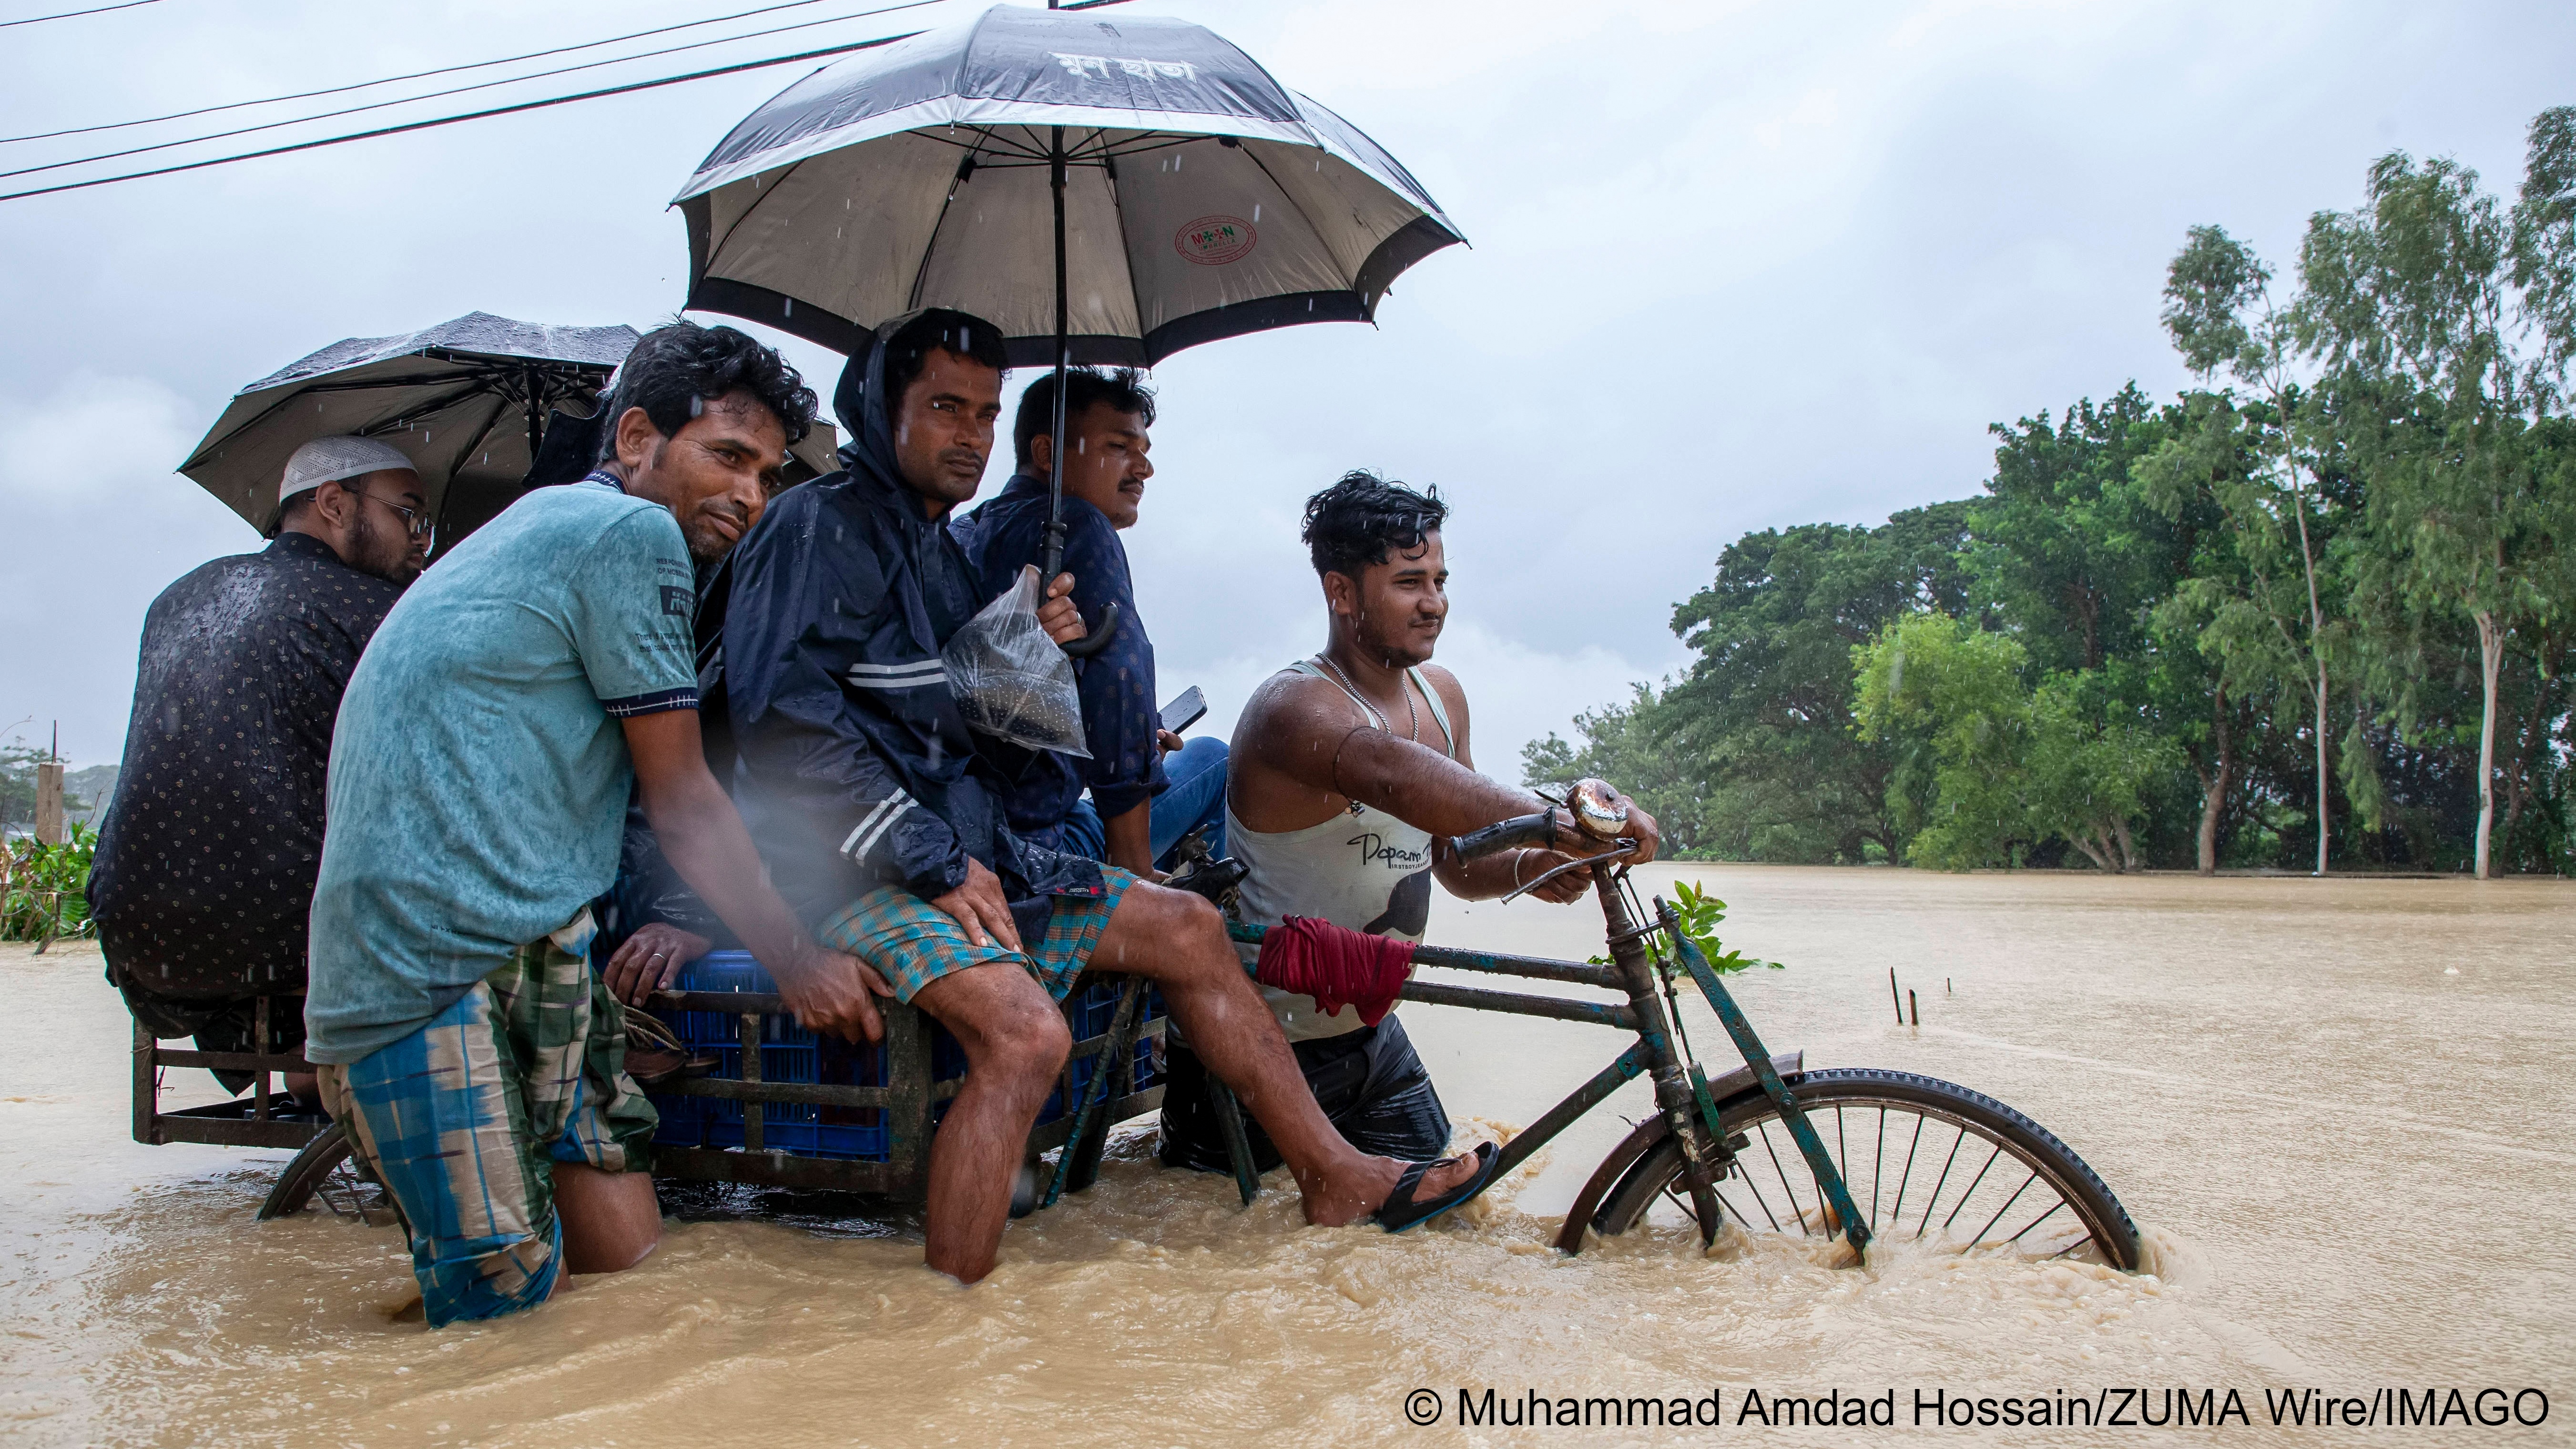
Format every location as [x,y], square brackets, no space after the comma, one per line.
[42,887]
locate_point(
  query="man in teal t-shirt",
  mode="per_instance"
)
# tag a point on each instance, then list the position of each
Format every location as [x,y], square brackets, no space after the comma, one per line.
[480,771]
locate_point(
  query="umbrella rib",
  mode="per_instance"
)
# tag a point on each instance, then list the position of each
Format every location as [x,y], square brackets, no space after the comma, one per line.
[983,134]
[219,444]
[921,268]
[499,406]
[369,384]
[264,414]
[1293,204]
[438,405]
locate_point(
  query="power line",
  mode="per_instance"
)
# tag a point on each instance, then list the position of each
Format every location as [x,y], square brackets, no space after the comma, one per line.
[459,90]
[392,79]
[76,14]
[467,116]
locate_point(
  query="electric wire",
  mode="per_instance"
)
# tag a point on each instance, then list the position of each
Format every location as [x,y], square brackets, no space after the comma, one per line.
[393,79]
[437,121]
[76,14]
[456,90]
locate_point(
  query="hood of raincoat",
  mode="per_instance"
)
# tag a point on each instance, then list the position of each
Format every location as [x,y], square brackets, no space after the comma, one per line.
[854,766]
[866,414]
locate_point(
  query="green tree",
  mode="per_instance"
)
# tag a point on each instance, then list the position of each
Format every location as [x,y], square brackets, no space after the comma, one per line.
[2409,299]
[1766,711]
[2067,549]
[1947,697]
[1629,745]
[1994,766]
[2221,315]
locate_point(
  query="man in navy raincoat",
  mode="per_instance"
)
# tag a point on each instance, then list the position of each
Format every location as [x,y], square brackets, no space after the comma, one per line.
[880,819]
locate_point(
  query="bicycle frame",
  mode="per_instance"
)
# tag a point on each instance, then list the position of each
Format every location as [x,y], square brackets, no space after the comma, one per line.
[1637,969]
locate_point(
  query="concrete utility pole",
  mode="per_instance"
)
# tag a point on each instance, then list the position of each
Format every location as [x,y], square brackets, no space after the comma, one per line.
[49,794]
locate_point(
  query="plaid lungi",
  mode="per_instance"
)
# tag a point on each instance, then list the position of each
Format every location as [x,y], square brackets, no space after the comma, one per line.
[913,943]
[463,1120]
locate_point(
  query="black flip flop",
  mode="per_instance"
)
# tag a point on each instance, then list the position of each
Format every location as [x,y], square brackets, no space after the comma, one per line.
[1400,1212]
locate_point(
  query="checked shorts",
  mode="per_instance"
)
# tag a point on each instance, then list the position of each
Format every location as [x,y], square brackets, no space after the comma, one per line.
[913,943]
[464,1119]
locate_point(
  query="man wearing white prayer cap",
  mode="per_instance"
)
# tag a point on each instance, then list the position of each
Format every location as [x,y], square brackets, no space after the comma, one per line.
[362,497]
[206,860]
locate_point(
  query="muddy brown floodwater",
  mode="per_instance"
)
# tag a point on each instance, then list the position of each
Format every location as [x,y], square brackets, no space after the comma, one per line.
[2339,1110]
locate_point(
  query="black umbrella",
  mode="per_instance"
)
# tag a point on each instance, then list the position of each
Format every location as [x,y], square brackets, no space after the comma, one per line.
[466,400]
[1107,191]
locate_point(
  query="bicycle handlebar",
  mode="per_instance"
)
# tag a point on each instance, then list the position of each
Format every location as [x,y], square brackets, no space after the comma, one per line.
[1534,829]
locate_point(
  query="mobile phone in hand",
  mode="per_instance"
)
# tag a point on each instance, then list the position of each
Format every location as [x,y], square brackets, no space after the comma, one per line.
[1185,711]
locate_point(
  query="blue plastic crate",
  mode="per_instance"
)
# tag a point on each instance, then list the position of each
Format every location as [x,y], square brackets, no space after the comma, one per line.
[789,1053]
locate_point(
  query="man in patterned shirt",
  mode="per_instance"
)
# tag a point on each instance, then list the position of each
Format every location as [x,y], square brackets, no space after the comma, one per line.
[206,859]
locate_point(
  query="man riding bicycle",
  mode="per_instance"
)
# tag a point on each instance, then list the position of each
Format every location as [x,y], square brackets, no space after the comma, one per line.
[1350,775]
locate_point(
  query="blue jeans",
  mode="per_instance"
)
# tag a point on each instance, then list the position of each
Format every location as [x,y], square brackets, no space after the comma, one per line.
[1194,797]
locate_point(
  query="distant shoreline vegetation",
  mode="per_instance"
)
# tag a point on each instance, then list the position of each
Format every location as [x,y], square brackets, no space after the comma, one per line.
[2292,618]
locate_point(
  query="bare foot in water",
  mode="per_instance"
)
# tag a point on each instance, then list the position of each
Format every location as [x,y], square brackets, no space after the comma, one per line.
[1333,1200]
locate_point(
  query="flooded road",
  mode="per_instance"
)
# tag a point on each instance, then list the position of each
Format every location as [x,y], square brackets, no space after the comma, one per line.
[2340,1111]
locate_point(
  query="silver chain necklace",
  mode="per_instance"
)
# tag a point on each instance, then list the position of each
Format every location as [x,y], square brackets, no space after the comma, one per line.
[1412,716]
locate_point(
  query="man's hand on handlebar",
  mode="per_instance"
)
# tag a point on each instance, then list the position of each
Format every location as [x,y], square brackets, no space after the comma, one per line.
[1535,861]
[1575,835]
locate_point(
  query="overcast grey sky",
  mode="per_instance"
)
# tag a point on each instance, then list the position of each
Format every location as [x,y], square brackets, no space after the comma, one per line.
[1734,266]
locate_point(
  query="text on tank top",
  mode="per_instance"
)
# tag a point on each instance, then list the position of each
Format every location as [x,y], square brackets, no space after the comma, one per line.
[1363,869]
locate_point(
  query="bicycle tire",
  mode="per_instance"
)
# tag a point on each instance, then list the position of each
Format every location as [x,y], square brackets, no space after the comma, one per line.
[305,1174]
[1829,1097]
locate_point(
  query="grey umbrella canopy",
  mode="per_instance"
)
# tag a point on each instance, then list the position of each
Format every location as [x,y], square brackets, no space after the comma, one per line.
[466,400]
[1200,198]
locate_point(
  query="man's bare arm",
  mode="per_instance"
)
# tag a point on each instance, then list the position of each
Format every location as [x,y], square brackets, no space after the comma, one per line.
[1302,733]
[705,840]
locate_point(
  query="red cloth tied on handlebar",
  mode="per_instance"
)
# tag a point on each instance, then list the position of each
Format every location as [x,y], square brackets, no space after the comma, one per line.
[1335,965]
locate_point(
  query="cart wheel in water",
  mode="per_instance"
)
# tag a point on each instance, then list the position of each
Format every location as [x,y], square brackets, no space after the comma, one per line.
[1925,1159]
[325,1170]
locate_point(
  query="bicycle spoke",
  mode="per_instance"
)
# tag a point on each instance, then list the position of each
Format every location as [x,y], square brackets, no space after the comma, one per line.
[1756,1189]
[2035,1222]
[1786,1190]
[1840,1165]
[1934,1201]
[1877,1166]
[1980,1235]
[1972,1186]
[1896,1214]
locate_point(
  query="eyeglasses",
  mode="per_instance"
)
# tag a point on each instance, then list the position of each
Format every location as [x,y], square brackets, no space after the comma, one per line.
[416,521]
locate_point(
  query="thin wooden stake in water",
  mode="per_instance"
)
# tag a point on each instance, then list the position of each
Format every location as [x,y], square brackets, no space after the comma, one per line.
[1914,1006]
[1893,999]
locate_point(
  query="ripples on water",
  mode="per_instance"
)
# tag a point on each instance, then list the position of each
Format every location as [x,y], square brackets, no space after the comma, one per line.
[146,1306]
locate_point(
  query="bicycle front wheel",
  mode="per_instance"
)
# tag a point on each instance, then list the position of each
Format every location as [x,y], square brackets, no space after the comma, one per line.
[1922,1158]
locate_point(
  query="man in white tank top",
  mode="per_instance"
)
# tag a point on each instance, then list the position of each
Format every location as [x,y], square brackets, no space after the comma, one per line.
[1349,775]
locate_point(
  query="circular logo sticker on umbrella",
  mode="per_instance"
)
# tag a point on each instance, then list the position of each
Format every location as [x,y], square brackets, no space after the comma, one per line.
[1213,241]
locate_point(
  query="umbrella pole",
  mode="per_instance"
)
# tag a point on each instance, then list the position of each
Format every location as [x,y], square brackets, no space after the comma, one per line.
[1107,629]
[1063,349]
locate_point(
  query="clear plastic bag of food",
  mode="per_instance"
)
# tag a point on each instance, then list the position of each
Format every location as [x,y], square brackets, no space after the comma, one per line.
[1010,680]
